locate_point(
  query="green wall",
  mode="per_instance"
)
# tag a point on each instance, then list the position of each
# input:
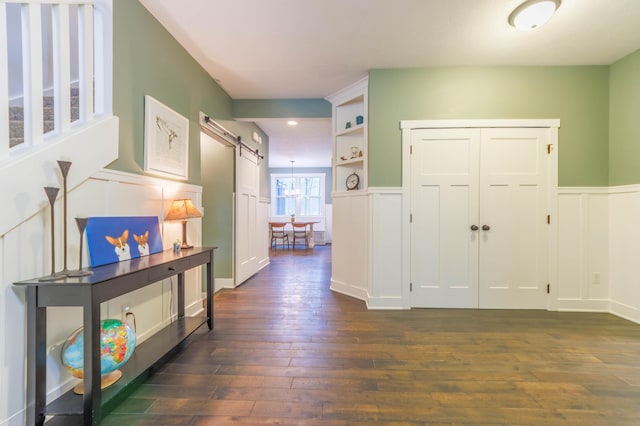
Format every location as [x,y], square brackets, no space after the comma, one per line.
[281,108]
[624,119]
[147,60]
[578,96]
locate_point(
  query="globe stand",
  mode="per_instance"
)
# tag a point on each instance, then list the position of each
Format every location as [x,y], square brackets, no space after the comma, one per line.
[105,381]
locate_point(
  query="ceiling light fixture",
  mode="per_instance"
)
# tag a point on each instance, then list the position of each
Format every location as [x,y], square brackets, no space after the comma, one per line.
[533,14]
[293,192]
[292,123]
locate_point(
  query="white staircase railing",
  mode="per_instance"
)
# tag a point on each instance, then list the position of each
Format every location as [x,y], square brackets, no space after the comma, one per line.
[77,43]
[33,38]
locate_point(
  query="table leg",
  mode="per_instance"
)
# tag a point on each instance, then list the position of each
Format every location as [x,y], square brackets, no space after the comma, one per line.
[311,240]
[92,398]
[210,293]
[181,295]
[36,359]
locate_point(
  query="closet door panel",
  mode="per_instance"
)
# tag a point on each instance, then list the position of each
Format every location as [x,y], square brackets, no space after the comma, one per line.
[513,205]
[444,205]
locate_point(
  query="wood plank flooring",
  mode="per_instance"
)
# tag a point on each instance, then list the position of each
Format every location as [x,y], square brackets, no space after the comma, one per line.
[287,351]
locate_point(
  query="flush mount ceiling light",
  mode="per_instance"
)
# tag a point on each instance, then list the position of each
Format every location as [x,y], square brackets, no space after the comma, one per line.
[533,14]
[292,123]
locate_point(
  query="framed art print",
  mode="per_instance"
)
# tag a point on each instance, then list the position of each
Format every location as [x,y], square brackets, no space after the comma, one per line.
[166,141]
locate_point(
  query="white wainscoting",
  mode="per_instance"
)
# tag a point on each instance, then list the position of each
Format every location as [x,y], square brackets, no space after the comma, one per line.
[599,250]
[583,250]
[350,253]
[25,253]
[385,209]
[598,253]
[624,251]
[263,239]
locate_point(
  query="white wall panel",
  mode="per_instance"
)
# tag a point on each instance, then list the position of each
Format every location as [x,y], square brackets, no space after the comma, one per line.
[583,249]
[624,252]
[350,250]
[386,249]
[570,242]
[263,238]
[106,193]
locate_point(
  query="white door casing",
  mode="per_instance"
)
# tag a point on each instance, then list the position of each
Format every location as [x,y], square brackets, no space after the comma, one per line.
[505,266]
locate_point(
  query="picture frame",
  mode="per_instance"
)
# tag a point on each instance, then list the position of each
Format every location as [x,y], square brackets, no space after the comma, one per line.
[166,141]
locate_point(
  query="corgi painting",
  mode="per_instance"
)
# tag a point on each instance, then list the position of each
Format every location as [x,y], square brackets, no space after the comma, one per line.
[121,247]
[143,247]
[108,238]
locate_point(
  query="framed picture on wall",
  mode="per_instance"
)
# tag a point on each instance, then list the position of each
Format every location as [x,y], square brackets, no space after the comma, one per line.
[166,141]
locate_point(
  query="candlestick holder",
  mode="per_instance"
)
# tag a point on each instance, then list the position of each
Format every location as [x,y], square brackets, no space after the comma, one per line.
[52,193]
[82,224]
[64,170]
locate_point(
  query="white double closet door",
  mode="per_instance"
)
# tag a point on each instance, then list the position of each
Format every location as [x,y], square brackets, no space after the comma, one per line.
[479,230]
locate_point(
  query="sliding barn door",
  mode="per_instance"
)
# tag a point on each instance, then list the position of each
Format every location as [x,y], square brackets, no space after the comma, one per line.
[247,187]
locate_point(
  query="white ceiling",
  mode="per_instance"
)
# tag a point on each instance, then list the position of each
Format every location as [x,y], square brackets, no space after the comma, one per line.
[286,49]
[308,143]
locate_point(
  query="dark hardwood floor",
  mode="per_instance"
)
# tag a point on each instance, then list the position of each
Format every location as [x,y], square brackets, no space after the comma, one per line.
[287,351]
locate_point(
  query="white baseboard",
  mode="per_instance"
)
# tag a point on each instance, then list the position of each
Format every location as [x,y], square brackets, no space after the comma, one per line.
[389,303]
[583,305]
[625,311]
[349,290]
[223,283]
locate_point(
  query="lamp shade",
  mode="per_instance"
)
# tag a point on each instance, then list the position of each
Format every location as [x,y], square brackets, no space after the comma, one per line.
[182,209]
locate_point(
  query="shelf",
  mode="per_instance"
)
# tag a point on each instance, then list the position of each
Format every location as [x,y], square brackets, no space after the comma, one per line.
[350,106]
[358,161]
[143,358]
[352,101]
[354,129]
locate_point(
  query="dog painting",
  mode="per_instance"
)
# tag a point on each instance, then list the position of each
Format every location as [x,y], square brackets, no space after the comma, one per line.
[121,246]
[143,246]
[117,239]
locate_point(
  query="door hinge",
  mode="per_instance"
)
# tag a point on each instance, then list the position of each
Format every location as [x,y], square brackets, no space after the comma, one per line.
[549,148]
[548,288]
[410,286]
[548,219]
[410,149]
[410,217]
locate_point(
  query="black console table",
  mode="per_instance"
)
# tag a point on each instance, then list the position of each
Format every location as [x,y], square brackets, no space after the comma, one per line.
[106,282]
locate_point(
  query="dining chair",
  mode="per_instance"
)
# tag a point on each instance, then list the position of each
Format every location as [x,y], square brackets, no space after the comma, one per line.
[278,233]
[300,232]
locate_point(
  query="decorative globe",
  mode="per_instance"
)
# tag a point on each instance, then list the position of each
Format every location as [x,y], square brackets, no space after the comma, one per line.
[117,343]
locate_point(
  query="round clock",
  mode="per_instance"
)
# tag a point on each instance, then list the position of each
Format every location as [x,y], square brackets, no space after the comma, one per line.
[353,181]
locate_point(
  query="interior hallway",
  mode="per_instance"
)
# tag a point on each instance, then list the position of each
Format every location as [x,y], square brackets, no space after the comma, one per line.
[286,350]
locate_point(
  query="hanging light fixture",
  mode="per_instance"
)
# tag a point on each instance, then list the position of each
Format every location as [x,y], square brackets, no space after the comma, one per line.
[293,191]
[533,14]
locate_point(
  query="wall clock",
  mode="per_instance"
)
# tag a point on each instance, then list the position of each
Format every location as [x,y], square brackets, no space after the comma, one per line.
[353,181]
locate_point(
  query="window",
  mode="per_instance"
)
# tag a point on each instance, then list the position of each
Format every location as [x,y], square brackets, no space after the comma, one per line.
[300,194]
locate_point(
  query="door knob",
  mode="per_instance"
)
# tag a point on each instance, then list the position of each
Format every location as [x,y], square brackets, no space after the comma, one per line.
[486,227]
[474,227]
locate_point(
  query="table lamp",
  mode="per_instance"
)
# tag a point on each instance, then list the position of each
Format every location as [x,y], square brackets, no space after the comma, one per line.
[183,209]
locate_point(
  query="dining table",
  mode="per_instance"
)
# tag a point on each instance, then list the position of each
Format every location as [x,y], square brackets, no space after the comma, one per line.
[310,223]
